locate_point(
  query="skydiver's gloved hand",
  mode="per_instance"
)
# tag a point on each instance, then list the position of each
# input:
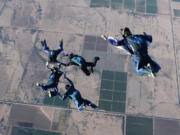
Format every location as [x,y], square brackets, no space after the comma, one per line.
[103,36]
[61,44]
[144,33]
[61,41]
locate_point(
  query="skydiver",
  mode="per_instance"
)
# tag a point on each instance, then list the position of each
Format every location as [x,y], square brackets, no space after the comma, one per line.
[52,54]
[82,63]
[75,95]
[137,46]
[52,83]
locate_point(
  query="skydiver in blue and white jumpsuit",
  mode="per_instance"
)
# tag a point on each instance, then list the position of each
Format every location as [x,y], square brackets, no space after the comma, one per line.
[81,62]
[137,46]
[75,95]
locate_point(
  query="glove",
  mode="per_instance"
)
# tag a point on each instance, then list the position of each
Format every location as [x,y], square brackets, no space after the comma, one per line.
[63,54]
[61,41]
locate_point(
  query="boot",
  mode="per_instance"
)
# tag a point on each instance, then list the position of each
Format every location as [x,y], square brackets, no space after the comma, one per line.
[96,59]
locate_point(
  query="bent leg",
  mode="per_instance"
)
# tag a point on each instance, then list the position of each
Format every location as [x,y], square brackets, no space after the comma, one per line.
[154,66]
[89,103]
[92,64]
[84,69]
[140,70]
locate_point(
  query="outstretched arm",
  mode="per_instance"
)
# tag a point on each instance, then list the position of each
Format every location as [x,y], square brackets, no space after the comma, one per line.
[66,64]
[112,40]
[45,47]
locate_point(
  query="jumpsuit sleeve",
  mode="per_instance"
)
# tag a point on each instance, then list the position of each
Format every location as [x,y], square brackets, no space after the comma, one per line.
[121,42]
[67,64]
[115,42]
[67,94]
[71,83]
[112,41]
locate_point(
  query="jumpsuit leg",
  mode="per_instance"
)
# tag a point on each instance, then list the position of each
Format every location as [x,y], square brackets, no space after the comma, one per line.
[84,69]
[92,64]
[155,67]
[140,71]
[89,103]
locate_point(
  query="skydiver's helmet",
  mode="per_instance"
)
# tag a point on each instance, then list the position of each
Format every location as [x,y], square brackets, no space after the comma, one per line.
[47,48]
[70,55]
[127,32]
[67,86]
[149,38]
